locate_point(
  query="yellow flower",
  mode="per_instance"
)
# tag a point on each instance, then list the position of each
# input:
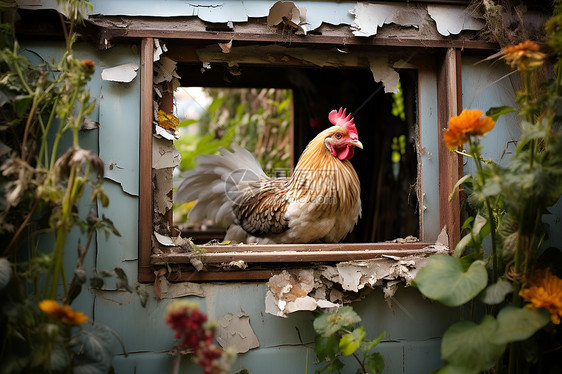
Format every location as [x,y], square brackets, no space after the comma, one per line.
[468,123]
[545,291]
[64,313]
[523,56]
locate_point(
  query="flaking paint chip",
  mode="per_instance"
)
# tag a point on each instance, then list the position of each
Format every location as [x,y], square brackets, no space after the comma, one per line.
[288,13]
[123,73]
[234,332]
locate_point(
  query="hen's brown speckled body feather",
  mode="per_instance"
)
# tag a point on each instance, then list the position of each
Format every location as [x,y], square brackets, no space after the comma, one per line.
[320,202]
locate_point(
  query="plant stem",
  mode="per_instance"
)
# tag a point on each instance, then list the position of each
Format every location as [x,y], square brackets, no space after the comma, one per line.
[18,70]
[360,363]
[28,125]
[61,232]
[491,219]
[43,149]
[60,132]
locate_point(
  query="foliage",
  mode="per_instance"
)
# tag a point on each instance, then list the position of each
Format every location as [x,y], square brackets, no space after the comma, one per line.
[44,106]
[257,119]
[338,334]
[195,335]
[507,205]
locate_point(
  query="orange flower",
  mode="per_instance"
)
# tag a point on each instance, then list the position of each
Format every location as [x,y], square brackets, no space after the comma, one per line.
[545,291]
[64,313]
[468,123]
[88,66]
[523,56]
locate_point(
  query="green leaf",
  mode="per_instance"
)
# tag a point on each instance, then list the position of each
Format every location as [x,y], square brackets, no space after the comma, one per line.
[351,341]
[495,112]
[334,366]
[329,323]
[467,345]
[374,363]
[5,272]
[479,224]
[92,350]
[465,241]
[457,185]
[368,345]
[467,223]
[444,279]
[496,293]
[326,348]
[515,324]
[22,105]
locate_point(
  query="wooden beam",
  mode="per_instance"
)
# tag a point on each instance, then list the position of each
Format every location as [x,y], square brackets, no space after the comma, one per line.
[449,104]
[145,161]
[206,276]
[182,28]
[296,253]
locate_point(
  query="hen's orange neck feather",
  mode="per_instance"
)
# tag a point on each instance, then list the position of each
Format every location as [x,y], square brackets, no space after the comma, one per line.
[319,174]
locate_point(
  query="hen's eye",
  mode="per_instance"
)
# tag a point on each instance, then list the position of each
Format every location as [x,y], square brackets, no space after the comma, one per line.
[338,136]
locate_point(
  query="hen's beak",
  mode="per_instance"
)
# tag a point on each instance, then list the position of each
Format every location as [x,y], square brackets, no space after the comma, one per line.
[356,143]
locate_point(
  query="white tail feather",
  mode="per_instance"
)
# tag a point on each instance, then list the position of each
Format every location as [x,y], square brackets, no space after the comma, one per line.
[208,183]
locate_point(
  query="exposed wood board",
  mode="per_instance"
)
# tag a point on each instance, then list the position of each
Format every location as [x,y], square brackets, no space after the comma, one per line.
[448,106]
[204,276]
[314,247]
[291,256]
[145,161]
[192,28]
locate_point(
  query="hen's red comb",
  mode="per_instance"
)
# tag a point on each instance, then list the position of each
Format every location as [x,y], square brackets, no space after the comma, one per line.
[338,118]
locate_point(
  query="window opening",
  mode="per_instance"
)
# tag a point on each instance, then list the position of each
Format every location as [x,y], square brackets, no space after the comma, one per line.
[388,164]
[258,119]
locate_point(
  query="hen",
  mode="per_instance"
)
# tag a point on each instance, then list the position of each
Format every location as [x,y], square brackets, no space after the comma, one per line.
[320,202]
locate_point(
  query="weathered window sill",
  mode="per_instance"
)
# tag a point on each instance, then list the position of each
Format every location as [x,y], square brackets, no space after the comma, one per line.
[254,262]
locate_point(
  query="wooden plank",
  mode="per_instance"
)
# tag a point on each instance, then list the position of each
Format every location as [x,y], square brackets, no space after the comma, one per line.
[314,247]
[289,256]
[145,273]
[183,28]
[448,101]
[205,276]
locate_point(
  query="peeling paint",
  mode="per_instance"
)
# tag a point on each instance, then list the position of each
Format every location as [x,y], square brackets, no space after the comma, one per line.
[384,72]
[309,289]
[160,132]
[164,154]
[162,180]
[369,17]
[123,73]
[159,48]
[165,71]
[180,289]
[167,241]
[452,19]
[234,332]
[288,13]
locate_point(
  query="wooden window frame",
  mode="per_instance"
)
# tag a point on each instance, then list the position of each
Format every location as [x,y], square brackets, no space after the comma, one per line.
[449,103]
